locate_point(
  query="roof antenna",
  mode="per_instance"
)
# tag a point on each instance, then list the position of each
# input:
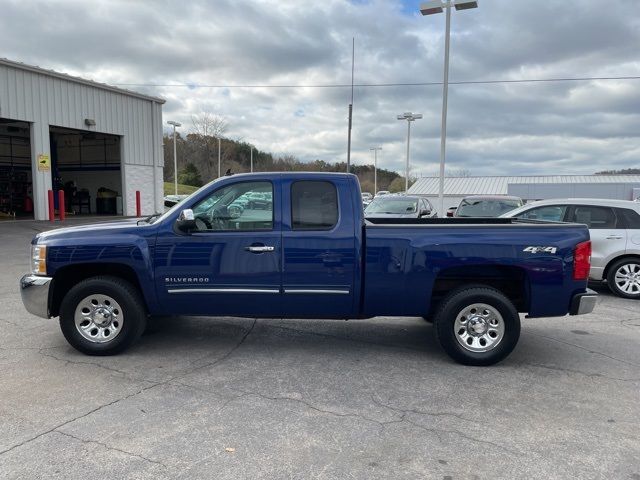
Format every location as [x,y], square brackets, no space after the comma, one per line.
[353,50]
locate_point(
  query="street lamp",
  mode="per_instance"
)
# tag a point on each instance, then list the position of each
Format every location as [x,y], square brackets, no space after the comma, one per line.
[218,156]
[175,155]
[409,117]
[431,8]
[375,168]
[251,159]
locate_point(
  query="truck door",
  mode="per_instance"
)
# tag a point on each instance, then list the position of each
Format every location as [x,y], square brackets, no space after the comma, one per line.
[231,265]
[318,247]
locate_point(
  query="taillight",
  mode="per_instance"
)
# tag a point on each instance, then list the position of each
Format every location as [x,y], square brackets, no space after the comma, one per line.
[582,261]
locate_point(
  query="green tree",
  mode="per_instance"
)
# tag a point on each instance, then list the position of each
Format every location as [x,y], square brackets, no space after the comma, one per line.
[397,185]
[189,175]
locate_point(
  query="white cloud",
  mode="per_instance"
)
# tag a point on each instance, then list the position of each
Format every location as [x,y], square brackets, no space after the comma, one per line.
[572,127]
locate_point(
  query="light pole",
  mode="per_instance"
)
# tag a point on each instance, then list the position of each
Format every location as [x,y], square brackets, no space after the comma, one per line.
[218,157]
[251,159]
[431,8]
[375,168]
[409,117]
[175,155]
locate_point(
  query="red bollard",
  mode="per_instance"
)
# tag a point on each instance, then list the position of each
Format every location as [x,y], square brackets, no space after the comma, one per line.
[52,214]
[61,205]
[138,207]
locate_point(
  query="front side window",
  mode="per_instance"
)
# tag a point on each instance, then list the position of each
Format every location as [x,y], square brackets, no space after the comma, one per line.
[314,205]
[594,217]
[241,206]
[550,213]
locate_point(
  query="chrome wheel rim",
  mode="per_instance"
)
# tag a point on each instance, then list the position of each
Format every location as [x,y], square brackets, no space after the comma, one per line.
[99,318]
[479,328]
[627,278]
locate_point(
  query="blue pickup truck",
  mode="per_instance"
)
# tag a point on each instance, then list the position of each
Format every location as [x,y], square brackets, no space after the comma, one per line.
[306,251]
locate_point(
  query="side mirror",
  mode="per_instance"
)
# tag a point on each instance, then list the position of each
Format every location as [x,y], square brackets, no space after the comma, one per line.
[425,212]
[186,221]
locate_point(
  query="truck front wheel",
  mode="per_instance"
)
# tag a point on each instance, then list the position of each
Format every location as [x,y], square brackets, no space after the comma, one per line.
[477,326]
[102,315]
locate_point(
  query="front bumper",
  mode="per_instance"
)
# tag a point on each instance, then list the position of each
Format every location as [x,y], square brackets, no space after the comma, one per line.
[582,303]
[35,294]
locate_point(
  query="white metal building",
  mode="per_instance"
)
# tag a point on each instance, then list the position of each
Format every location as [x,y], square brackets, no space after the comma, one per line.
[99,143]
[530,188]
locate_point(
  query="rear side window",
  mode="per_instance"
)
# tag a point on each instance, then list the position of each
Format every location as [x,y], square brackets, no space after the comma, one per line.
[314,205]
[630,217]
[594,217]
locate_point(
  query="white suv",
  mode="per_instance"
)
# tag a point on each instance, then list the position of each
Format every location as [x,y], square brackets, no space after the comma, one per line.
[614,226]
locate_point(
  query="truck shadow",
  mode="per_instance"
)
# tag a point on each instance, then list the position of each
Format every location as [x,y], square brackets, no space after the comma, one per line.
[198,333]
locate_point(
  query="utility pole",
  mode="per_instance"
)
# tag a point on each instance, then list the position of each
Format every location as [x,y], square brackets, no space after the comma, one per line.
[353,49]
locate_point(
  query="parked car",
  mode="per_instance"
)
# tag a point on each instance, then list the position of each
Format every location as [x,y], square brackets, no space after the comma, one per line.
[382,192]
[367,196]
[487,205]
[614,226]
[314,256]
[259,201]
[397,206]
[451,211]
[172,200]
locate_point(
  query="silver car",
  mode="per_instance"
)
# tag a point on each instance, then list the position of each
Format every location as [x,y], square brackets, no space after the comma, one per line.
[399,206]
[614,226]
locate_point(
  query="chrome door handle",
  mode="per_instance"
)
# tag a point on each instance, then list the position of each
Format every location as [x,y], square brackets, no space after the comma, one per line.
[260,248]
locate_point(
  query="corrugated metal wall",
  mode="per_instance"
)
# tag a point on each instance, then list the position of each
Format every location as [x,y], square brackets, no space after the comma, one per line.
[45,100]
[463,186]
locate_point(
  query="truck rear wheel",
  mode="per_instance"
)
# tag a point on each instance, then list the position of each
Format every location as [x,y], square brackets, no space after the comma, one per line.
[477,325]
[102,315]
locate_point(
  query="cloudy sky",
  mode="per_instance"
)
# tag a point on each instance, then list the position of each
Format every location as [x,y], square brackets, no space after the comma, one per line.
[493,129]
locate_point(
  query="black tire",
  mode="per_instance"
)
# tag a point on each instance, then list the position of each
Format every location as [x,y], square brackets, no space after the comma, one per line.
[130,302]
[455,303]
[632,264]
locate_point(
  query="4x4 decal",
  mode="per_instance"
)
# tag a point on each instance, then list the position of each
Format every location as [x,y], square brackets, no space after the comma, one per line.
[540,249]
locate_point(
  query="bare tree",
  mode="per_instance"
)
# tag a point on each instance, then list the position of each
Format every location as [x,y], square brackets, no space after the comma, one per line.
[208,125]
[206,129]
[459,172]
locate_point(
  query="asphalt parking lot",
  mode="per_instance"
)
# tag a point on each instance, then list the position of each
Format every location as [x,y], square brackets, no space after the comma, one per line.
[255,398]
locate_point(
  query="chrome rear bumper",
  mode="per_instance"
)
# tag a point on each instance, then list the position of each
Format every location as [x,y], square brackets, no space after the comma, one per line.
[35,294]
[583,302]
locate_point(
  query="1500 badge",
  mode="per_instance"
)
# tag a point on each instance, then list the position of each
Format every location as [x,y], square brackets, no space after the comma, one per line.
[540,249]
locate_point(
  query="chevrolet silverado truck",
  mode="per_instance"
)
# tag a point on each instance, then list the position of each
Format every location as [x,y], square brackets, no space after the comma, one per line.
[308,254]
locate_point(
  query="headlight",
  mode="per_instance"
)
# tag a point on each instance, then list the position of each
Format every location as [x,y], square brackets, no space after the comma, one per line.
[39,259]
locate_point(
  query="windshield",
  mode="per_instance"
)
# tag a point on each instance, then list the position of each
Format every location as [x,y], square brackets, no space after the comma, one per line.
[486,207]
[180,205]
[397,205]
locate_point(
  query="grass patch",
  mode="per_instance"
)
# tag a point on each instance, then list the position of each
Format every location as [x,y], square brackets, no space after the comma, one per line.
[169,189]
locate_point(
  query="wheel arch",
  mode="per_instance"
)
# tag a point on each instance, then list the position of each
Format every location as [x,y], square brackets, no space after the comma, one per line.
[625,256]
[66,277]
[511,281]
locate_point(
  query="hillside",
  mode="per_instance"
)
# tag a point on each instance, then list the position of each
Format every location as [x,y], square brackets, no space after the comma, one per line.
[202,152]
